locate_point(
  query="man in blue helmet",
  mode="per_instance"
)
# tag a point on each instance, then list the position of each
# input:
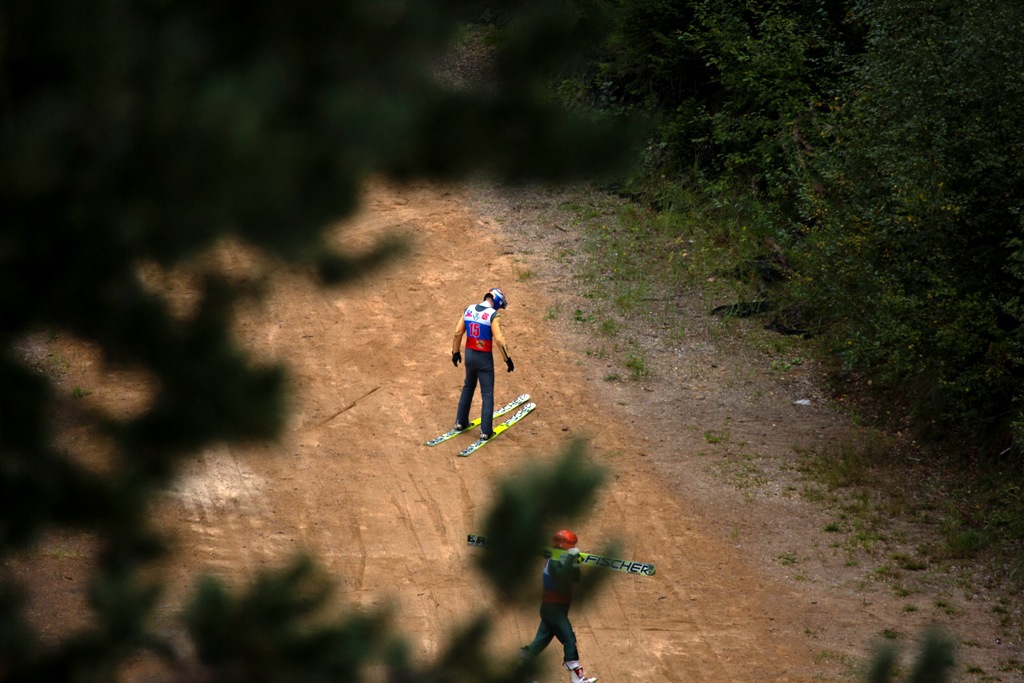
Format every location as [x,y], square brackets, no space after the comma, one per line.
[482,328]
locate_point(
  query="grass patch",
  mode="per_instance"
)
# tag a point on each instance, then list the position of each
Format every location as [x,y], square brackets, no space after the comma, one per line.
[581,316]
[785,365]
[642,261]
[609,327]
[909,563]
[850,463]
[636,365]
[742,471]
[716,437]
[886,572]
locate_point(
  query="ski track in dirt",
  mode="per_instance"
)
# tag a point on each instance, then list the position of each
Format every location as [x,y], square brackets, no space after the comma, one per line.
[350,481]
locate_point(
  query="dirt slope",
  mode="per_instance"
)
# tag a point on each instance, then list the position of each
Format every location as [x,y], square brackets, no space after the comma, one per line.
[350,481]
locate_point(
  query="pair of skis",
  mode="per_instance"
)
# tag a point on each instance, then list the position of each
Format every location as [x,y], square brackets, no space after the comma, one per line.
[587,559]
[519,402]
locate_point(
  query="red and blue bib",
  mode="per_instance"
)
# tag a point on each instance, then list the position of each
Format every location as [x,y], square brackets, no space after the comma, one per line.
[478,318]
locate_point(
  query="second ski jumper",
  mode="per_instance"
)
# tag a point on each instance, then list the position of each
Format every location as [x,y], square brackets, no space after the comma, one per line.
[480,324]
[559,575]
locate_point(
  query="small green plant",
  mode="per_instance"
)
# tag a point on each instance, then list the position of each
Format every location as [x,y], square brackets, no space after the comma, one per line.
[787,559]
[785,365]
[564,255]
[79,392]
[865,538]
[636,365]
[57,366]
[716,437]
[909,563]
[886,571]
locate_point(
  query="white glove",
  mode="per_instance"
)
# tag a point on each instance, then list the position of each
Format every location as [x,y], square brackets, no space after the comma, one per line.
[574,553]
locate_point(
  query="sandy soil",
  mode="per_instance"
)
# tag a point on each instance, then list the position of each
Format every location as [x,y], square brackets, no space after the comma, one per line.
[748,586]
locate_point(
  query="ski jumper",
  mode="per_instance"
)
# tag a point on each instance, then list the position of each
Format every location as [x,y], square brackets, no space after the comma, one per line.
[559,575]
[482,329]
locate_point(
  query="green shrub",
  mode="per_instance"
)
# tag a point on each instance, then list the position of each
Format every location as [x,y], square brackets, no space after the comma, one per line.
[912,250]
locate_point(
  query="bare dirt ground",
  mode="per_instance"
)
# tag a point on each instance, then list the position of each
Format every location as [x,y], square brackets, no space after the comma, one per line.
[749,586]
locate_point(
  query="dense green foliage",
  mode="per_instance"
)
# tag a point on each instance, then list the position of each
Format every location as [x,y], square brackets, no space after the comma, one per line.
[914,224]
[876,146]
[734,86]
[141,133]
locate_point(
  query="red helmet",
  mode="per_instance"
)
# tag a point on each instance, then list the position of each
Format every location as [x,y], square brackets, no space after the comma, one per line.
[564,539]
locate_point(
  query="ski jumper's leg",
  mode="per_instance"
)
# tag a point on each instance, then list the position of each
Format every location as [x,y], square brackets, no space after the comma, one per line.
[486,376]
[554,623]
[468,389]
[558,619]
[544,635]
